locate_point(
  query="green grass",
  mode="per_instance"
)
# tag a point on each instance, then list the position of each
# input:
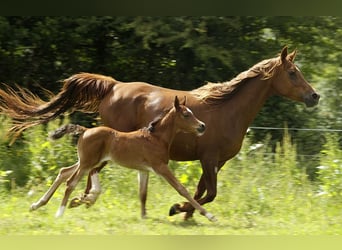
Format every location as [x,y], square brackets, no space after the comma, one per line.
[259,193]
[117,212]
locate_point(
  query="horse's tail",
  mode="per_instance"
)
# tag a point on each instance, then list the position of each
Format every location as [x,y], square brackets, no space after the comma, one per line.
[83,92]
[67,129]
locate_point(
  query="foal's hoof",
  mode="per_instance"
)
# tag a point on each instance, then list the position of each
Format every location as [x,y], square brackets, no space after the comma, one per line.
[33,207]
[175,209]
[75,202]
[210,217]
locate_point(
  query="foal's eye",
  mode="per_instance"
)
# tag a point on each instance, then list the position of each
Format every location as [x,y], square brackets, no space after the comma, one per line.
[186,115]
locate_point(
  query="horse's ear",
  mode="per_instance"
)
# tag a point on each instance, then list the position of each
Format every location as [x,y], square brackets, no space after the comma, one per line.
[176,103]
[283,54]
[184,101]
[292,55]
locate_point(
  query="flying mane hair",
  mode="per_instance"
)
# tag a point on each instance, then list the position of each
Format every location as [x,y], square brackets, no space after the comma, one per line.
[216,93]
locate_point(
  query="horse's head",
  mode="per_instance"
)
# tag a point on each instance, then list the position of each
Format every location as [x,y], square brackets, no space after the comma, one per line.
[289,81]
[185,120]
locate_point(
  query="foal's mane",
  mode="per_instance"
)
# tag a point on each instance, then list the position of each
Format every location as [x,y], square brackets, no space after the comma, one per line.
[216,93]
[153,124]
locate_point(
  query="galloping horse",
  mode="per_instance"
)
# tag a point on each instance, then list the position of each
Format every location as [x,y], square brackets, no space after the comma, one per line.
[227,109]
[144,150]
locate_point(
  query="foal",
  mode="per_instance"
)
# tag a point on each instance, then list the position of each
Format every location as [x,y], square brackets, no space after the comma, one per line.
[145,150]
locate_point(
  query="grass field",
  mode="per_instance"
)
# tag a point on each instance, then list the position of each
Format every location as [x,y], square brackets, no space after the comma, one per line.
[260,192]
[117,213]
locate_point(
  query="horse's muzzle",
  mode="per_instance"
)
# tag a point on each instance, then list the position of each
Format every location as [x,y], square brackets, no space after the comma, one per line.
[311,99]
[201,129]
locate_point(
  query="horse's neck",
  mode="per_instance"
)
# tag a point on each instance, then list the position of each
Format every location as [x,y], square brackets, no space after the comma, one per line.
[247,102]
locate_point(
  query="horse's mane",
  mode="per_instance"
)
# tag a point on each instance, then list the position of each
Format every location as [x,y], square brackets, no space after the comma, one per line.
[216,93]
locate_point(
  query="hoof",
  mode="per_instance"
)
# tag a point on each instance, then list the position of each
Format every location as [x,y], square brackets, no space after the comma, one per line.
[175,209]
[188,215]
[210,217]
[33,207]
[75,202]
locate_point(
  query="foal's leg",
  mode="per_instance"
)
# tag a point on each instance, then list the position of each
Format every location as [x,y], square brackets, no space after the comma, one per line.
[143,183]
[208,182]
[165,172]
[71,184]
[92,195]
[92,189]
[186,206]
[63,175]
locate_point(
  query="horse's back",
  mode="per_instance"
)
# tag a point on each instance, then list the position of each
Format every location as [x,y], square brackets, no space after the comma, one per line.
[134,105]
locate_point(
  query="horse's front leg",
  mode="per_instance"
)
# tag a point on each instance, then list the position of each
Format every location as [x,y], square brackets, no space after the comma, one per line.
[186,206]
[208,182]
[165,172]
[92,191]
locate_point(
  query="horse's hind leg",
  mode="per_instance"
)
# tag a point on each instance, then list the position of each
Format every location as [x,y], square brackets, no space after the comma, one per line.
[92,190]
[63,175]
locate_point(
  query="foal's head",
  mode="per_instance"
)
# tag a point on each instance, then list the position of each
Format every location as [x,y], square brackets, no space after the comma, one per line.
[184,120]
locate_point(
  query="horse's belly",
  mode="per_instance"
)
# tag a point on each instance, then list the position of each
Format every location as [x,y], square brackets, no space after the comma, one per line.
[184,148]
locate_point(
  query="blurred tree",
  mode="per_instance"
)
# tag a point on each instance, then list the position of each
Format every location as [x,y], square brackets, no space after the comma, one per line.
[183,53]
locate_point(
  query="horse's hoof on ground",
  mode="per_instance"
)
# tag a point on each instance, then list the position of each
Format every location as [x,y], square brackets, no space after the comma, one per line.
[75,202]
[174,210]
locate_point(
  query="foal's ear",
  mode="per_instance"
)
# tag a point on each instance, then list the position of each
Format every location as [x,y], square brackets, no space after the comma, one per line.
[176,103]
[283,54]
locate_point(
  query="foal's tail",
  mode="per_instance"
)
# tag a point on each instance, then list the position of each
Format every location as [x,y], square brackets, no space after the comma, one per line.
[83,92]
[67,129]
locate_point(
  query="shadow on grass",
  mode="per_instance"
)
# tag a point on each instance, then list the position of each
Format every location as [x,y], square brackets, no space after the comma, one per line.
[178,221]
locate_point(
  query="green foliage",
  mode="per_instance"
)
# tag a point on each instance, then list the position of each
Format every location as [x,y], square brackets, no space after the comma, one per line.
[260,182]
[34,158]
[330,170]
[181,52]
[47,156]
[13,168]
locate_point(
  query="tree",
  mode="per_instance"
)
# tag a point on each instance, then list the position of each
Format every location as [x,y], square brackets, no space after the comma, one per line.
[183,53]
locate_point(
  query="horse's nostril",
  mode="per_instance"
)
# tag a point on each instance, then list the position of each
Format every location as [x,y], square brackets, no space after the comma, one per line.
[315,96]
[201,127]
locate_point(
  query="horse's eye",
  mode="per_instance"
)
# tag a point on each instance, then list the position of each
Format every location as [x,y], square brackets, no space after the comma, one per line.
[292,74]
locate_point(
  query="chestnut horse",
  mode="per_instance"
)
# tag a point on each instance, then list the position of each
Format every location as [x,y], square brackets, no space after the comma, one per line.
[227,108]
[145,150]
